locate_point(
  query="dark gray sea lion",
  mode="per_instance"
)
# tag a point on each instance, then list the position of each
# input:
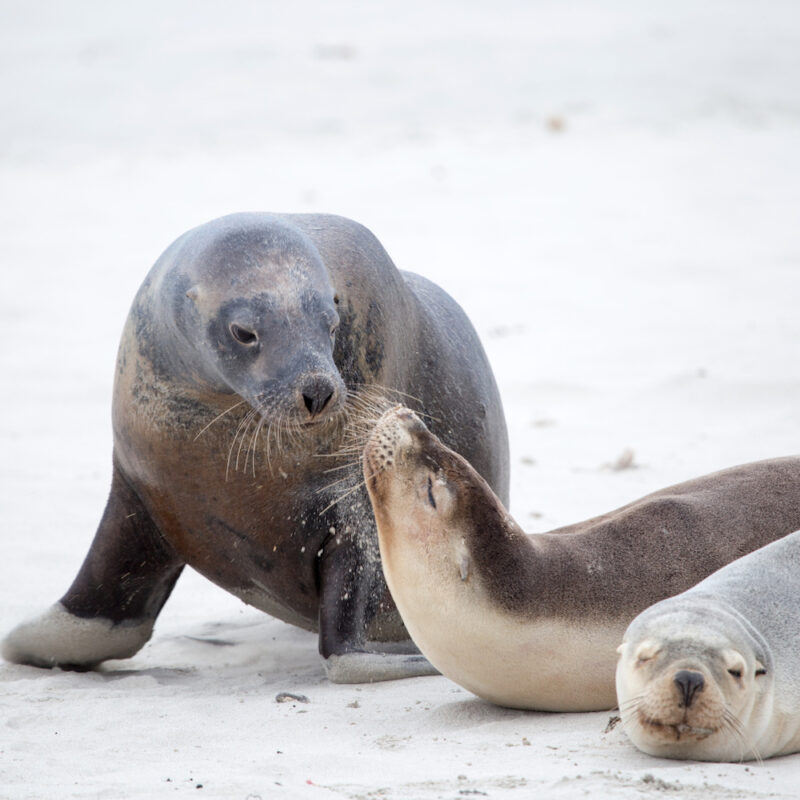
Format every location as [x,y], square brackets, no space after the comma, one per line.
[713,674]
[533,621]
[251,345]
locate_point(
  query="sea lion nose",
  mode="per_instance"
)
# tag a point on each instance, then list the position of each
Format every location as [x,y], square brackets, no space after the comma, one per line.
[317,393]
[411,422]
[689,683]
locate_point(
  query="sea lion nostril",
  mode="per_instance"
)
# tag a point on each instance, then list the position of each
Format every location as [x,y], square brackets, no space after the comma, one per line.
[689,683]
[317,393]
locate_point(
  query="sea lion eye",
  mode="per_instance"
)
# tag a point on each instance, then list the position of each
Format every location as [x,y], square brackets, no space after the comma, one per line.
[761,671]
[430,492]
[646,651]
[243,335]
[737,673]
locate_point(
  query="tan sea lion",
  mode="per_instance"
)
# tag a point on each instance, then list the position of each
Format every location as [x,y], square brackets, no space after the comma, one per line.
[250,346]
[533,621]
[713,674]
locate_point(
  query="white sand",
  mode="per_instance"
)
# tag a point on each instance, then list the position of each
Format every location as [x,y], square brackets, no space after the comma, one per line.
[611,192]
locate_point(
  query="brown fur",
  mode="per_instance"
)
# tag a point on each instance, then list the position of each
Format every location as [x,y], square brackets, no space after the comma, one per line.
[594,576]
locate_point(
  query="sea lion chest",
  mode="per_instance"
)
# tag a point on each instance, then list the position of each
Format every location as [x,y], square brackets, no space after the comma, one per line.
[246,510]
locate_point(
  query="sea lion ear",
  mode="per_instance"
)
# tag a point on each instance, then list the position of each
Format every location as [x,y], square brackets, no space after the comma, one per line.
[193,293]
[462,553]
[621,648]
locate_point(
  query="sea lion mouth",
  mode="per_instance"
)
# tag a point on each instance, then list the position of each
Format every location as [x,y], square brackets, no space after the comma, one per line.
[676,731]
[313,423]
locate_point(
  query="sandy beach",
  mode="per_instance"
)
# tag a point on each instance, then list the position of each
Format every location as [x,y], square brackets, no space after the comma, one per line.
[611,193]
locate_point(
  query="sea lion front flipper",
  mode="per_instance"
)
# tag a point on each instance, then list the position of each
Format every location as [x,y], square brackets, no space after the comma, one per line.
[347,602]
[111,607]
[363,667]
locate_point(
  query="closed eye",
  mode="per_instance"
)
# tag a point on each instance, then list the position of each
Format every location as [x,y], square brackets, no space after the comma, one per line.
[430,492]
[761,671]
[737,673]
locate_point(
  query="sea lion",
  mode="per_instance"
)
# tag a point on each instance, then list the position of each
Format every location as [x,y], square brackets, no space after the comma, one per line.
[533,621]
[713,674]
[248,350]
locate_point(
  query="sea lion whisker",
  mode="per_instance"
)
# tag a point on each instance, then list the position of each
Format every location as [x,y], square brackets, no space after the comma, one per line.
[380,405]
[248,448]
[245,421]
[359,423]
[359,409]
[341,497]
[734,724]
[240,439]
[428,417]
[376,390]
[297,431]
[288,433]
[294,432]
[363,417]
[372,402]
[362,425]
[352,441]
[364,403]
[250,417]
[279,432]
[631,703]
[384,391]
[629,719]
[360,419]
[347,478]
[254,444]
[218,417]
[349,447]
[368,407]
[349,465]
[351,455]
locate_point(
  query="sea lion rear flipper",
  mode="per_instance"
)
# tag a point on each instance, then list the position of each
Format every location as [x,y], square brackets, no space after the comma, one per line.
[110,609]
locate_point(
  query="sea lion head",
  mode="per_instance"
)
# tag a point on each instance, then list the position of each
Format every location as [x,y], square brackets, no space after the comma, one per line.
[257,301]
[693,682]
[433,492]
[430,506]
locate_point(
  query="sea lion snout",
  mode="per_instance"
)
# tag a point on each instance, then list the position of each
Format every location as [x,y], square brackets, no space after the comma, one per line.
[394,448]
[412,442]
[417,435]
[689,683]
